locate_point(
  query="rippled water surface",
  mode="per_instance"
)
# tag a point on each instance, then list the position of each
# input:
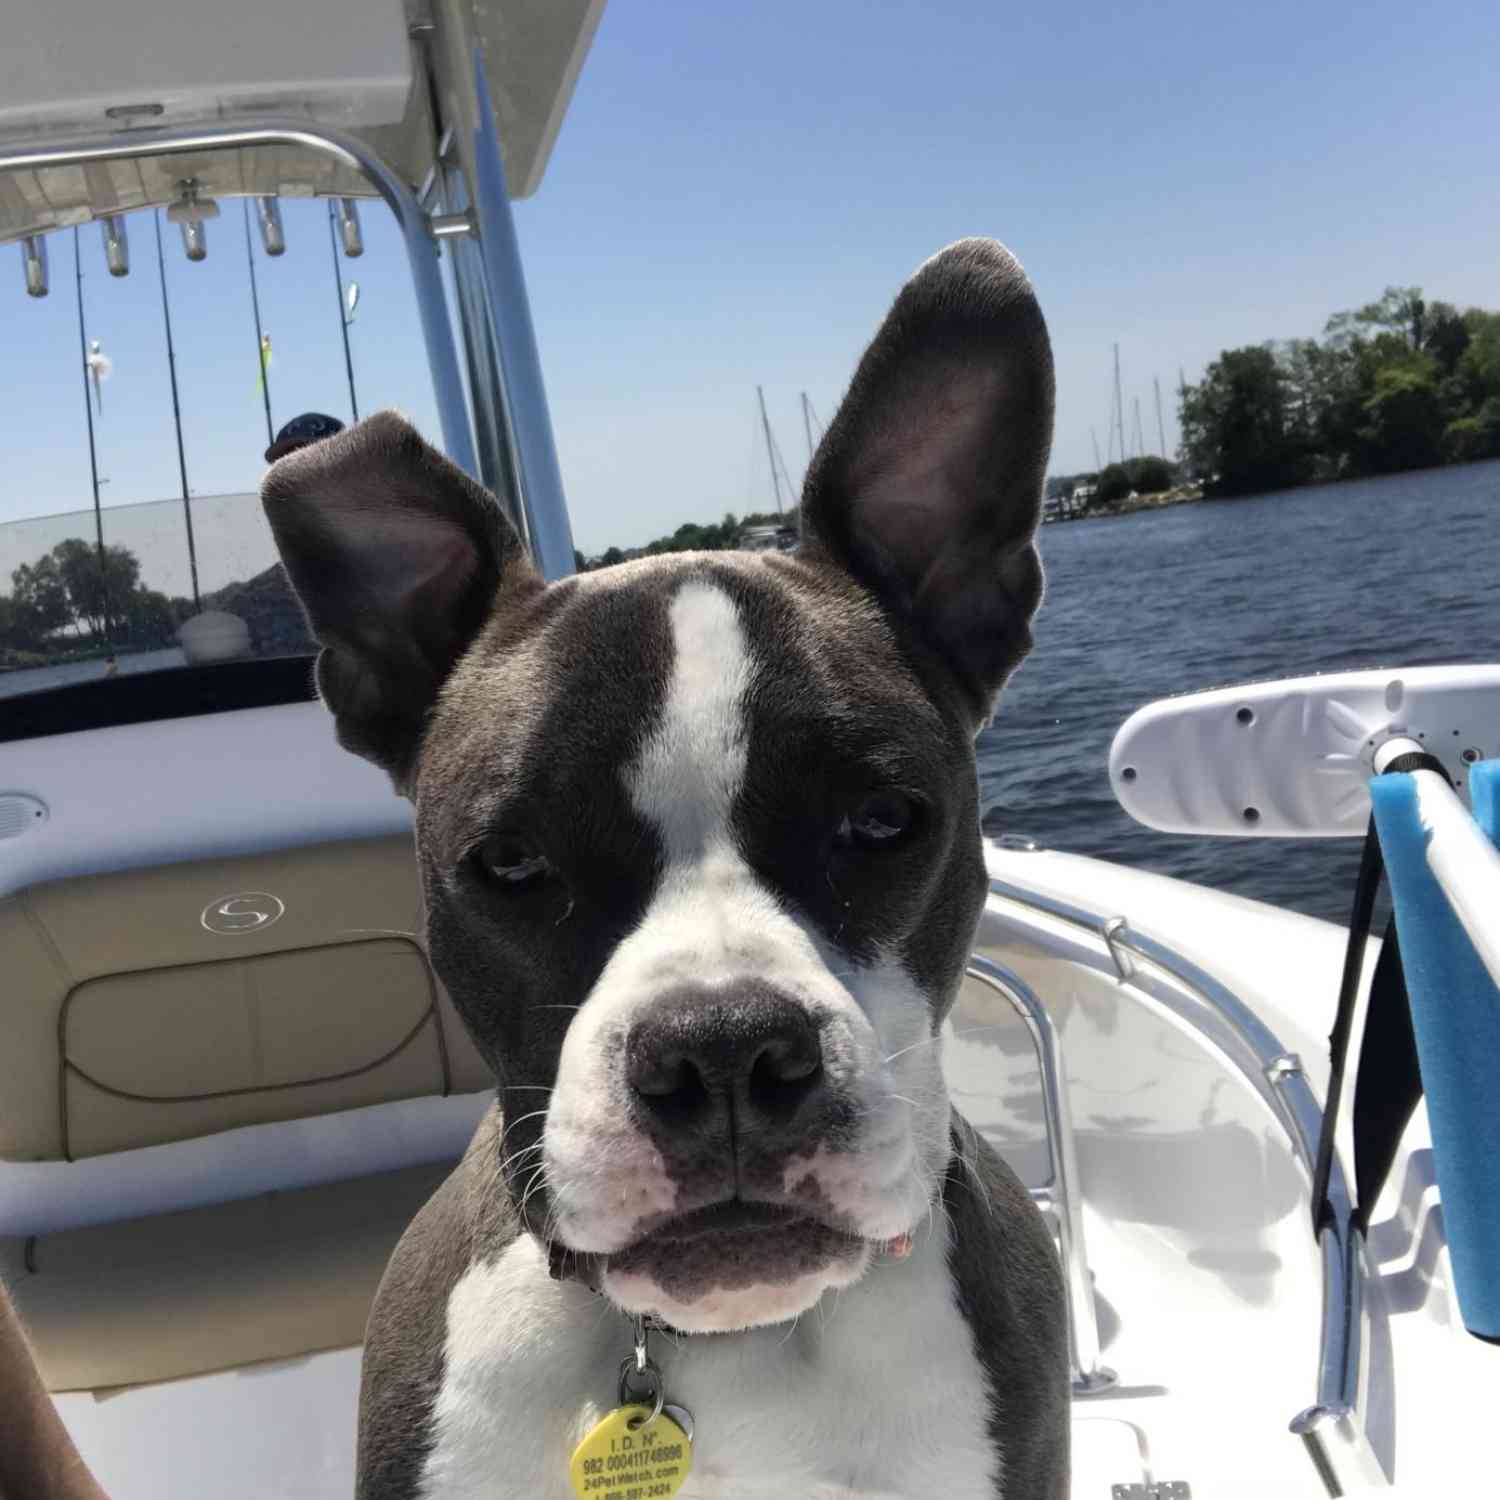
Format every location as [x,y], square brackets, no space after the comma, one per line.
[1399,571]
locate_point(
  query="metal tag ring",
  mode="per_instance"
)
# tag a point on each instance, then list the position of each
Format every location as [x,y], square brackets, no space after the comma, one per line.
[652,1376]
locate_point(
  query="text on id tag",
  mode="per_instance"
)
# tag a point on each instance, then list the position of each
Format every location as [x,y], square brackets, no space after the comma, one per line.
[623,1452]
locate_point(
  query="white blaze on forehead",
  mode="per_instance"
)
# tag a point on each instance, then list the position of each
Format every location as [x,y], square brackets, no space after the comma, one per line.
[693,765]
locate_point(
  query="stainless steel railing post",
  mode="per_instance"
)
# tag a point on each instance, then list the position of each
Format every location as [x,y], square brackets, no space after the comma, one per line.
[1061,1193]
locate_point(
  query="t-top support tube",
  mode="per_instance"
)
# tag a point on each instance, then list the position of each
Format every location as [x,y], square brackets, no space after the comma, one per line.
[470,114]
[348,151]
[529,424]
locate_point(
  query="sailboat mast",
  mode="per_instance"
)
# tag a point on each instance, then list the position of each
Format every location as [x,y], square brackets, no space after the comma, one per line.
[1161,431]
[765,423]
[1117,416]
[807,424]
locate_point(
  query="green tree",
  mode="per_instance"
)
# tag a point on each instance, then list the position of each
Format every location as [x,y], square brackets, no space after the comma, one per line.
[1473,437]
[1237,428]
[1446,338]
[100,597]
[149,619]
[1401,311]
[1148,475]
[1404,419]
[40,599]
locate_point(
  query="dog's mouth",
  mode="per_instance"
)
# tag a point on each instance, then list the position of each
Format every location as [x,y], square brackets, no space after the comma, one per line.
[732,1245]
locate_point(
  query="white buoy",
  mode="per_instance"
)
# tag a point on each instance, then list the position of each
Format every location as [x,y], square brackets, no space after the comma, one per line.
[215,635]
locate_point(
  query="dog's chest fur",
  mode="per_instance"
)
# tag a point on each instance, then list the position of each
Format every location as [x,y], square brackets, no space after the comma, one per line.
[876,1392]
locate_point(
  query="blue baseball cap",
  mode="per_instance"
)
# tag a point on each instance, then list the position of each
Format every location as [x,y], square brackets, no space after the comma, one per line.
[310,427]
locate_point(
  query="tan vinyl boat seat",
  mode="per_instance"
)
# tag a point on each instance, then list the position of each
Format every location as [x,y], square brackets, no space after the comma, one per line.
[272,1277]
[160,1004]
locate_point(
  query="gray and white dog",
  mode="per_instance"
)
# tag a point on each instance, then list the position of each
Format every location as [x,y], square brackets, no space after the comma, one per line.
[699,842]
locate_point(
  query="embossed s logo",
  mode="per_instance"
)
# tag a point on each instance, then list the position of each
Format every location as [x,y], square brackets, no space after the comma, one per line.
[247,911]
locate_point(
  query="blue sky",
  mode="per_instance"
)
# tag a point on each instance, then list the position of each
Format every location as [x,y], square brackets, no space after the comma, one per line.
[736,196]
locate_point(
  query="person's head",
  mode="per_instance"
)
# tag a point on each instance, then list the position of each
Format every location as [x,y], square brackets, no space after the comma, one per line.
[310,427]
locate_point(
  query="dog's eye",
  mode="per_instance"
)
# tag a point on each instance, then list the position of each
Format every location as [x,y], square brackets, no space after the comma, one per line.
[881,821]
[511,863]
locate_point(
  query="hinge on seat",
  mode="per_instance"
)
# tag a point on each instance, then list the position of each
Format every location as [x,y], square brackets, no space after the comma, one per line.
[1165,1489]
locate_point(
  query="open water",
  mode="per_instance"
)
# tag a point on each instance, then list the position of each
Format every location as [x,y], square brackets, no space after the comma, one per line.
[1398,571]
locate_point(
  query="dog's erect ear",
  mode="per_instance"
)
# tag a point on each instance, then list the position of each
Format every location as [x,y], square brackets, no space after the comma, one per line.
[928,484]
[397,556]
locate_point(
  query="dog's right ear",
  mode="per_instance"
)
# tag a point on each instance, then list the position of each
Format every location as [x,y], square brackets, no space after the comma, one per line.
[397,556]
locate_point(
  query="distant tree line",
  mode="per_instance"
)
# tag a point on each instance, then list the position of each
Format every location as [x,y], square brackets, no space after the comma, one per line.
[67,601]
[1401,383]
[1147,474]
[691,537]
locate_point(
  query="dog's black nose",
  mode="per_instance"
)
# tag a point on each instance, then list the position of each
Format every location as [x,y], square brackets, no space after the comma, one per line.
[700,1057]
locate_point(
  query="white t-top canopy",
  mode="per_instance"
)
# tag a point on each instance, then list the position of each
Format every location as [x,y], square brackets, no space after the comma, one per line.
[73,70]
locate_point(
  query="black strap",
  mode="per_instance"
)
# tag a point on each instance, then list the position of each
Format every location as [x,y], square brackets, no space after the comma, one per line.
[1417,760]
[1371,867]
[1389,1082]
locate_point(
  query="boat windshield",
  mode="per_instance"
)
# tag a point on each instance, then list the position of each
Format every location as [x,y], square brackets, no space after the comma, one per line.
[101,623]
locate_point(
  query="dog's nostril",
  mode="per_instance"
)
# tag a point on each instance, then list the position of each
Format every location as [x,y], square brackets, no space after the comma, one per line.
[668,1078]
[787,1060]
[784,1074]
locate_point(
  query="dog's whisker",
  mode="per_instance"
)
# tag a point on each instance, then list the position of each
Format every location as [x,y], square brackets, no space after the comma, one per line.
[517,1156]
[928,1041]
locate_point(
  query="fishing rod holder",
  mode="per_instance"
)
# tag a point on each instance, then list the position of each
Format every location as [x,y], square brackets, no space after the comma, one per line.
[509,442]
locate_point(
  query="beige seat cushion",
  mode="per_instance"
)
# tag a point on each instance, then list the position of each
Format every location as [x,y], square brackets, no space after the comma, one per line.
[156,1005]
[272,1277]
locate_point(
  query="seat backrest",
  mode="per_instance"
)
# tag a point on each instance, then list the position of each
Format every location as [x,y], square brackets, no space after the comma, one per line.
[159,1004]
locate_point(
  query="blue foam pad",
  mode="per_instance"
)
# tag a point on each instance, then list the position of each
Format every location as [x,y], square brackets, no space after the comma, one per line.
[1455,1008]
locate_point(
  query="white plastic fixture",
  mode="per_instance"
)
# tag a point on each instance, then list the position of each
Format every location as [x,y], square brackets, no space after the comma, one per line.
[34,262]
[272,235]
[116,244]
[1292,759]
[348,216]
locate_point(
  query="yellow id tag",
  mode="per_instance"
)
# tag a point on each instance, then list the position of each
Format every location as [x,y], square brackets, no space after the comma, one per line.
[621,1461]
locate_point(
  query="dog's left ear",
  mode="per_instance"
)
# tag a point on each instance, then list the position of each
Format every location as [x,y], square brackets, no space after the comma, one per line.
[927,486]
[397,556]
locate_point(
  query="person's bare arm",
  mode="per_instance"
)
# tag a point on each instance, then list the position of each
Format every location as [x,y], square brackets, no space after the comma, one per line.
[37,1458]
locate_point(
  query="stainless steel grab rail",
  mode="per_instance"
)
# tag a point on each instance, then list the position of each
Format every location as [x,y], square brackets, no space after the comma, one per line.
[1332,1428]
[1059,1196]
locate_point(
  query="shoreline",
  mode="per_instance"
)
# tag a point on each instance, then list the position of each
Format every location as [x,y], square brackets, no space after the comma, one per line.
[1189,494]
[1182,494]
